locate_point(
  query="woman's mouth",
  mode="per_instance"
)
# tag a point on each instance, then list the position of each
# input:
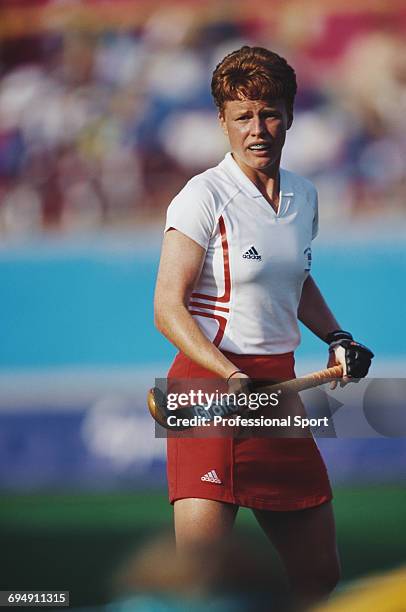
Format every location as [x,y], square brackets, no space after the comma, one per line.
[260,148]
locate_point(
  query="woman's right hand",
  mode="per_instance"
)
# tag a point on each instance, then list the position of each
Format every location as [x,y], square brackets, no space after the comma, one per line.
[238,384]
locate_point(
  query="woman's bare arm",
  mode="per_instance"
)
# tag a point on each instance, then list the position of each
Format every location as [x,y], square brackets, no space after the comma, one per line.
[179,269]
[314,312]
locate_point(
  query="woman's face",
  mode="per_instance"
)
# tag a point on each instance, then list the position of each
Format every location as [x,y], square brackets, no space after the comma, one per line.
[256,130]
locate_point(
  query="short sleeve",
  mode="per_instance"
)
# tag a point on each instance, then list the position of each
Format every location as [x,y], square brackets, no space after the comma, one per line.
[192,212]
[315,228]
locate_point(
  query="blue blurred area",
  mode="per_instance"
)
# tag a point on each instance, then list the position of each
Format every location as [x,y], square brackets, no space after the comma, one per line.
[364,286]
[62,449]
[92,306]
[77,450]
[87,308]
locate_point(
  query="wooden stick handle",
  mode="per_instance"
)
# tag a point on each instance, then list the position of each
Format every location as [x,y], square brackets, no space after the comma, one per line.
[310,380]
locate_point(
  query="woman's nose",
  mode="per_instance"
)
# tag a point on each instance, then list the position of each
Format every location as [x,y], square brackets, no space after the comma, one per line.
[257,126]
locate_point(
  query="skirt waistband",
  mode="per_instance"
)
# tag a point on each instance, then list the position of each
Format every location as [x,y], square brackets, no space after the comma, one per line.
[278,357]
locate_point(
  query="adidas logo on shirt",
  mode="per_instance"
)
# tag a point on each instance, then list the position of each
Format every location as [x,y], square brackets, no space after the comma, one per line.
[252,253]
[211,477]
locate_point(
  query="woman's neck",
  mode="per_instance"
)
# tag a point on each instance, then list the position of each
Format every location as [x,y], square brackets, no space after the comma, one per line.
[266,181]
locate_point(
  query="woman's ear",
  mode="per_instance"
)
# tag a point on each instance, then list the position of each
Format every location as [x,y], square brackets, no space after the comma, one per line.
[223,123]
[290,119]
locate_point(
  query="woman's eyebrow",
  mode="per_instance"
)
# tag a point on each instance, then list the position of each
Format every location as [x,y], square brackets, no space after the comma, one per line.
[269,109]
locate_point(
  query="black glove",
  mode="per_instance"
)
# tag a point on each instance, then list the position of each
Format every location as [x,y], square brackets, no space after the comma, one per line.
[353,356]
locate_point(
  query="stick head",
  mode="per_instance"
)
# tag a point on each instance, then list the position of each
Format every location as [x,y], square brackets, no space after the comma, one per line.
[156,401]
[157,406]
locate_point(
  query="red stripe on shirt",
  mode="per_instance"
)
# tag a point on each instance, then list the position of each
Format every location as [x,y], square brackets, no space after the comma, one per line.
[211,306]
[221,321]
[226,266]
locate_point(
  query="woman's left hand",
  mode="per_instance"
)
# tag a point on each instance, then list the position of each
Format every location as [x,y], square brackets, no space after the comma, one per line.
[355,359]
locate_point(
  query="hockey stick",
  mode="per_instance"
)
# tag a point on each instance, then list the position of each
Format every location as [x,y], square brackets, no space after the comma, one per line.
[157,402]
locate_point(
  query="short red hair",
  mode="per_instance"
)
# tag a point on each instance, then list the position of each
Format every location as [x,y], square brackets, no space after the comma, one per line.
[253,73]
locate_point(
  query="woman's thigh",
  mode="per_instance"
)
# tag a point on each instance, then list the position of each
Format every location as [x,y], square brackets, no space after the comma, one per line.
[306,543]
[202,521]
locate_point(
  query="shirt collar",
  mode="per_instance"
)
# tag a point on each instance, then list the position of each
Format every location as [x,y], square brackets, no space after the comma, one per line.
[232,168]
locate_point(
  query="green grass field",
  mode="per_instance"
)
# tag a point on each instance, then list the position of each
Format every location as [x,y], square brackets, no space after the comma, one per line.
[76,542]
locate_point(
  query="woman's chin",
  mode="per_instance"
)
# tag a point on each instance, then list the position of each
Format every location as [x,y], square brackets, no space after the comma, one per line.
[263,163]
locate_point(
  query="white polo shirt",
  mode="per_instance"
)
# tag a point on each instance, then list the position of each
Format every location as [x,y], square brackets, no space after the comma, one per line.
[248,293]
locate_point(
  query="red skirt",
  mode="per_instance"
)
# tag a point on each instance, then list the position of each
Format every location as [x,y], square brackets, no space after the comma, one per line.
[264,473]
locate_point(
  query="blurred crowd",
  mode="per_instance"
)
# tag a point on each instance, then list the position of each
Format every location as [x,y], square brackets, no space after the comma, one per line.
[102,126]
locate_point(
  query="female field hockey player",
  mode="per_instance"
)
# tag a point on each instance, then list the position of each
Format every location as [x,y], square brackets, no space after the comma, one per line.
[234,280]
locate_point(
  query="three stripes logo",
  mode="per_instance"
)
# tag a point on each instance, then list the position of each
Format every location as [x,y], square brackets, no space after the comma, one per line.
[211,477]
[252,253]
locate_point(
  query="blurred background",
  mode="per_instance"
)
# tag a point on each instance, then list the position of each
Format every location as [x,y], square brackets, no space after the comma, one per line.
[105,113]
